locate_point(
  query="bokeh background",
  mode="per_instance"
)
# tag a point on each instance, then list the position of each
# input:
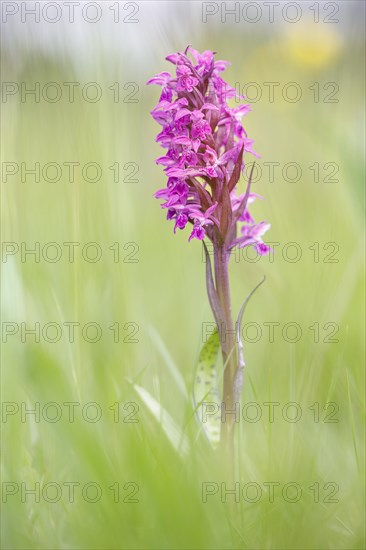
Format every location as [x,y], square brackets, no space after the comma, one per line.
[155,290]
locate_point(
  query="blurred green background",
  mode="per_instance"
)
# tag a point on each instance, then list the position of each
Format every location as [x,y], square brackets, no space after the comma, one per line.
[159,301]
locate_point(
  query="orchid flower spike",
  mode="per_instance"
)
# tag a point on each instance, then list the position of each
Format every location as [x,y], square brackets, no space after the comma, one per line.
[205,143]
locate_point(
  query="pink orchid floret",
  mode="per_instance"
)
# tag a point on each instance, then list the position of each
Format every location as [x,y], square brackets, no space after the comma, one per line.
[205,143]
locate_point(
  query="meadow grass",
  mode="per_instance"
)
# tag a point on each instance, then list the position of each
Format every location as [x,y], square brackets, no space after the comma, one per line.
[163,294]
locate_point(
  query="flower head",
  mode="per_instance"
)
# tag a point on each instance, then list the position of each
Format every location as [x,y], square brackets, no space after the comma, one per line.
[205,143]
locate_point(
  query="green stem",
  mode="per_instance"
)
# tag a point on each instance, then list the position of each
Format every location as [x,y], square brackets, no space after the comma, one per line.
[229,352]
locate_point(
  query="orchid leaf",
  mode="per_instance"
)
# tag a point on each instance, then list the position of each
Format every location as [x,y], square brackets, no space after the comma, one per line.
[236,170]
[238,380]
[206,392]
[226,211]
[211,290]
[202,193]
[243,203]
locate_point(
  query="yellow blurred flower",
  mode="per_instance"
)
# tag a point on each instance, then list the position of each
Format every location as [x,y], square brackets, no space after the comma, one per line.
[312,45]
